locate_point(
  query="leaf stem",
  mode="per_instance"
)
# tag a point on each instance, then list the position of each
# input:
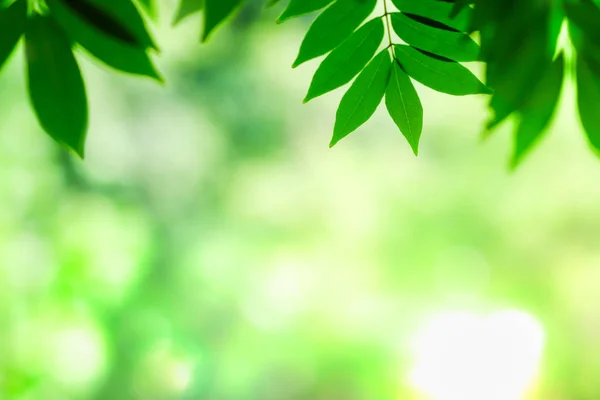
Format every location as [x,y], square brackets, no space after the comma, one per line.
[386,16]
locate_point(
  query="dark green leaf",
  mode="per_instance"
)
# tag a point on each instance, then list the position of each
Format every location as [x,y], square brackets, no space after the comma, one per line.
[586,15]
[215,12]
[187,8]
[538,111]
[301,7]
[439,74]
[345,16]
[362,99]
[404,106]
[56,88]
[13,21]
[438,11]
[112,52]
[513,85]
[119,19]
[451,44]
[347,60]
[588,96]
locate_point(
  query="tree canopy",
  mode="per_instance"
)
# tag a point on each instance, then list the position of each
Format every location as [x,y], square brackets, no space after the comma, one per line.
[379,47]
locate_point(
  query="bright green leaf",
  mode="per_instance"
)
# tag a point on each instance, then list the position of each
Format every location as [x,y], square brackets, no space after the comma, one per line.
[56,88]
[345,16]
[439,74]
[404,106]
[149,7]
[347,60]
[454,45]
[362,99]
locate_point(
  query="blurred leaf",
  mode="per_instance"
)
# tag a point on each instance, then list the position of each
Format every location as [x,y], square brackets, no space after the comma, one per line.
[454,45]
[586,15]
[215,12]
[112,52]
[345,16]
[588,96]
[13,21]
[539,109]
[439,74]
[404,106]
[364,96]
[56,88]
[149,7]
[346,61]
[299,7]
[513,86]
[187,8]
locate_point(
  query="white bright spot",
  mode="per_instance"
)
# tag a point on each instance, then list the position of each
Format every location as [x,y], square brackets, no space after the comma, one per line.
[464,356]
[180,376]
[77,357]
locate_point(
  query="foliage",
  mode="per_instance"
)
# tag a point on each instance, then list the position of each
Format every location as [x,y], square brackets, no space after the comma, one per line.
[381,53]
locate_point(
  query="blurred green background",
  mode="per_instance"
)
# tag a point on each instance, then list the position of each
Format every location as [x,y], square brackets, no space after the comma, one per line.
[213,247]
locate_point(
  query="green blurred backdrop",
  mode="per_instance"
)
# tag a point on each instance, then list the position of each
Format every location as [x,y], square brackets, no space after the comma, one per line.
[213,247]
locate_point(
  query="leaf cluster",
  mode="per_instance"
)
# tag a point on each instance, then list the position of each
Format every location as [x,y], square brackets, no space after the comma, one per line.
[379,48]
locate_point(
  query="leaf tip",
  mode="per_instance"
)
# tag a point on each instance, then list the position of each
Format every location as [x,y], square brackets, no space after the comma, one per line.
[415,149]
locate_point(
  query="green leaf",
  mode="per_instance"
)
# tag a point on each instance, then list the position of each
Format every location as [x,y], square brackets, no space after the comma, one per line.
[437,11]
[454,45]
[56,88]
[586,15]
[588,96]
[119,19]
[13,21]
[404,106]
[300,7]
[538,111]
[187,8]
[110,51]
[513,85]
[439,74]
[347,60]
[362,99]
[345,16]
[149,7]
[217,11]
